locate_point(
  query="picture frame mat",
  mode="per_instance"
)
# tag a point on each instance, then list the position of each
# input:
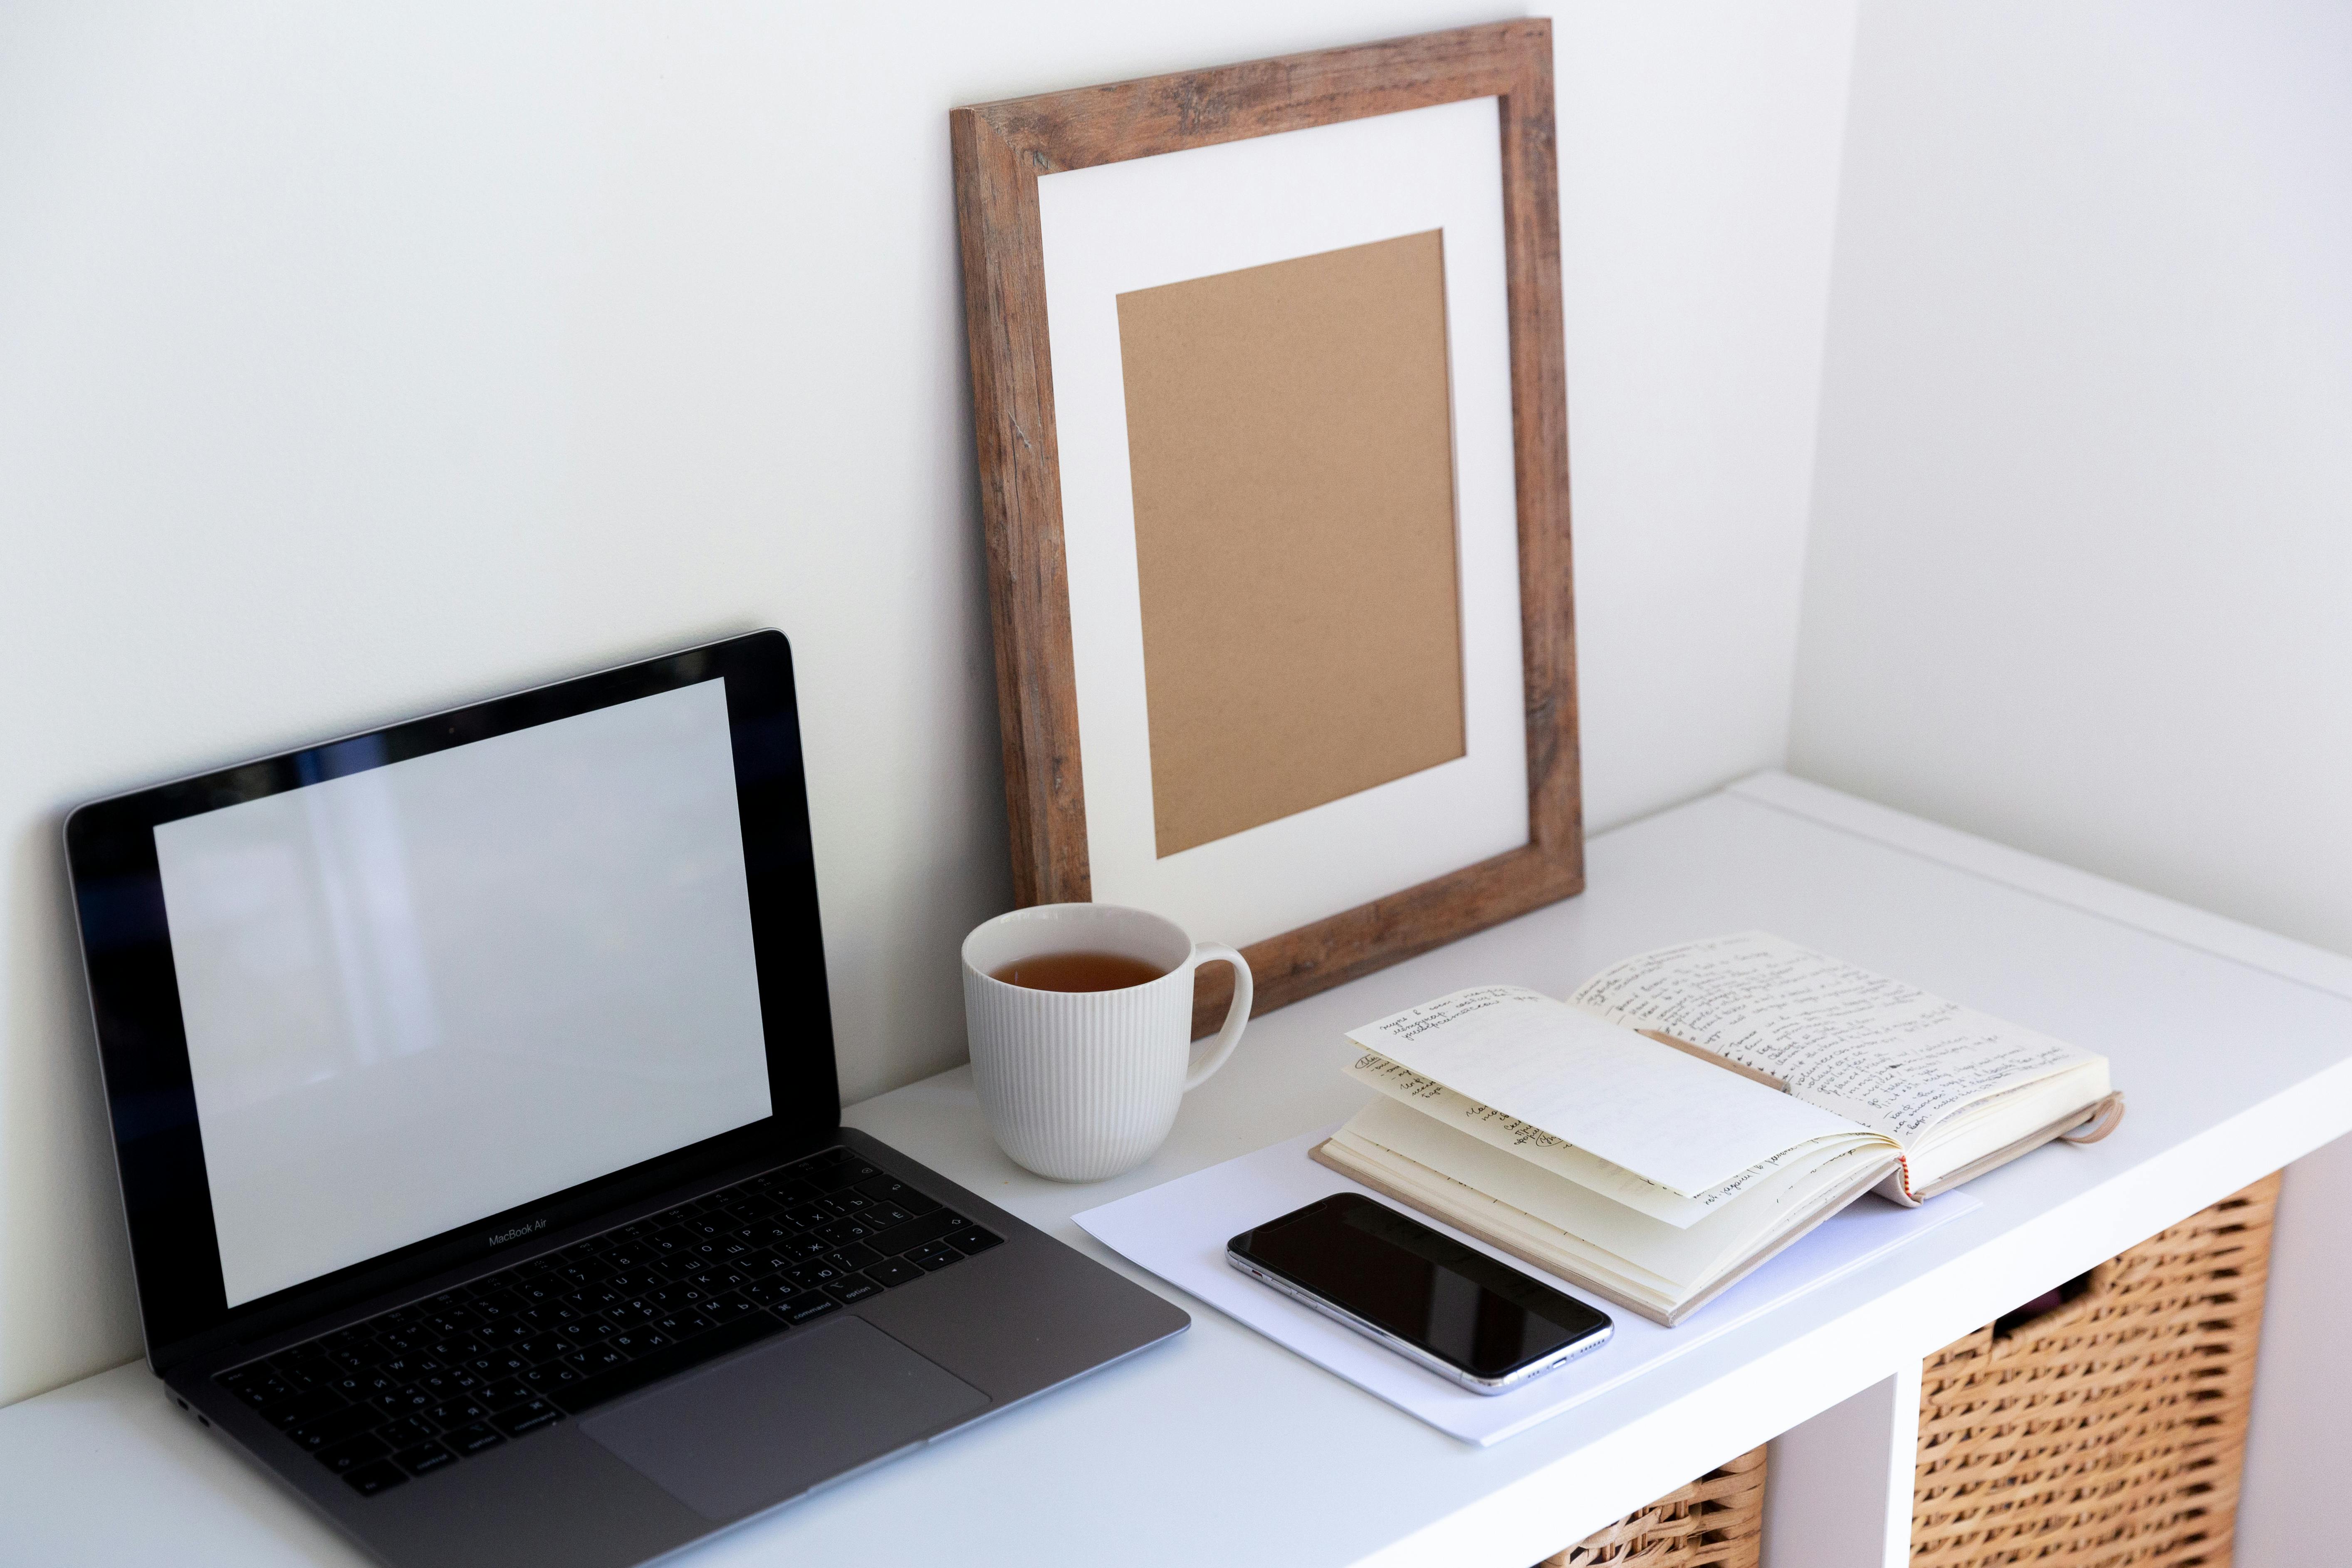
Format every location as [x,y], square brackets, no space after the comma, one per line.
[1142,223]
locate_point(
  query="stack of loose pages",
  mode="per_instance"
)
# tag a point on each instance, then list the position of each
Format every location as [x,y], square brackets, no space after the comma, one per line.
[1689,1112]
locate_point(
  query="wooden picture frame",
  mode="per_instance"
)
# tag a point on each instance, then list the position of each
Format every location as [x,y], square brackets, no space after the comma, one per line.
[1001,151]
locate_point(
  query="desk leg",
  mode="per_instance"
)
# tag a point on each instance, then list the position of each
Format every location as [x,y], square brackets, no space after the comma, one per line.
[1837,1489]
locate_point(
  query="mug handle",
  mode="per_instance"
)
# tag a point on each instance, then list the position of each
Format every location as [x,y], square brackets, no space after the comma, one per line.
[1236,1016]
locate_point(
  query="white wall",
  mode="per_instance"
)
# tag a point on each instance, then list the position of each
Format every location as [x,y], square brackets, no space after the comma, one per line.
[356,362]
[1699,150]
[2080,574]
[2082,551]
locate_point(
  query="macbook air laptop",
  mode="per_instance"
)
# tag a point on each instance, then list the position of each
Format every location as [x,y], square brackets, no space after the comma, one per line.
[473,1095]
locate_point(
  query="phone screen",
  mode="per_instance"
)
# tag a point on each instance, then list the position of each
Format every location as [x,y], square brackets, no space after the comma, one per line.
[1428,1289]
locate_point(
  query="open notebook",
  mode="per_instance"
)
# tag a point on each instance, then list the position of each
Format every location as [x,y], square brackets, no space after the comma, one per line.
[1689,1112]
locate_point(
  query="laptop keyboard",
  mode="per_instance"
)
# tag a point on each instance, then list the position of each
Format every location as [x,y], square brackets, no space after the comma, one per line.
[423,1386]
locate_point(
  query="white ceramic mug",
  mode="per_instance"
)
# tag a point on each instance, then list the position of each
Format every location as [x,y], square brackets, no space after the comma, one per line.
[1080,1085]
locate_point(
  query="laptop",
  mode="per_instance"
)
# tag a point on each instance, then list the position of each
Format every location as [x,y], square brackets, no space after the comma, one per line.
[473,1096]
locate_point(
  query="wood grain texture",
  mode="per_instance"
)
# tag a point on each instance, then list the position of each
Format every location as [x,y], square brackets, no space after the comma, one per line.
[999,151]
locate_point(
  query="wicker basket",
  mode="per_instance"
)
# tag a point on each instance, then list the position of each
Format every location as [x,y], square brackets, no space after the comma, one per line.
[1716,1521]
[2110,1429]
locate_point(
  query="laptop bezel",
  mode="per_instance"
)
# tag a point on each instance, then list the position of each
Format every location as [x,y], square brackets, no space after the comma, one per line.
[142,1044]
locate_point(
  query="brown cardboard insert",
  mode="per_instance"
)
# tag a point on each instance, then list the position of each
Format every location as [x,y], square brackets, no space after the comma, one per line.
[1290,437]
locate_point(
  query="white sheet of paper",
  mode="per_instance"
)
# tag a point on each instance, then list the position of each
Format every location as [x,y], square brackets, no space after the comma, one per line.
[1683,1124]
[1178,1230]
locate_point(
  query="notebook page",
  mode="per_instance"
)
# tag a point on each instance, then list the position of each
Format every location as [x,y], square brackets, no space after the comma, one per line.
[1677,1256]
[1562,1159]
[1656,1111]
[1886,1055]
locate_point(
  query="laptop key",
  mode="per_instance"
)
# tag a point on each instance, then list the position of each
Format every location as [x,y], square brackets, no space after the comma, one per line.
[498,1363]
[901,1238]
[891,1190]
[471,1440]
[285,1412]
[528,1419]
[806,1305]
[730,1307]
[369,1479]
[352,1452]
[407,1432]
[852,1288]
[768,1293]
[934,1256]
[425,1458]
[262,1388]
[355,1386]
[446,1383]
[325,1431]
[683,1325]
[812,1275]
[456,1413]
[636,1342]
[974,1239]
[505,1392]
[848,1173]
[892,1272]
[766,1232]
[404,1402]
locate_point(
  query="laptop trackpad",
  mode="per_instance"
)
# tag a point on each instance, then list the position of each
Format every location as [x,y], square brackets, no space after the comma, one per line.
[746,1433]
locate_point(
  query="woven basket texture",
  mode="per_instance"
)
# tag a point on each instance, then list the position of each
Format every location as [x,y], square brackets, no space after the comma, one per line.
[1716,1521]
[2111,1430]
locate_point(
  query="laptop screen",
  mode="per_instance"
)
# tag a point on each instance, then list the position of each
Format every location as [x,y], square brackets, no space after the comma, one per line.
[375,1010]
[427,991]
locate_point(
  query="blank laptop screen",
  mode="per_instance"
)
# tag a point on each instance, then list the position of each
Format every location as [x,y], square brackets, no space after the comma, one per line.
[424,993]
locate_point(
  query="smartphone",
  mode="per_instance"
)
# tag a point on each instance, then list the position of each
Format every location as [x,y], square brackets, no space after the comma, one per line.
[1453,1309]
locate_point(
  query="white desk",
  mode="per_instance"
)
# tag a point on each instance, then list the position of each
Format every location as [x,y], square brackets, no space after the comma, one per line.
[2234,1047]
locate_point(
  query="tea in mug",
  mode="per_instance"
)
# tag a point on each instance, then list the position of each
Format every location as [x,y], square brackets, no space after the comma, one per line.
[1077,971]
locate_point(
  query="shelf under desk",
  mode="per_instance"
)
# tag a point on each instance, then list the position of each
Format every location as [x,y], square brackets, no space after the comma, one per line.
[2234,1048]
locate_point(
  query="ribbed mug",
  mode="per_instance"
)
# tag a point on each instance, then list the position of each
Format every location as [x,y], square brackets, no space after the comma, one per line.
[1081,1085]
